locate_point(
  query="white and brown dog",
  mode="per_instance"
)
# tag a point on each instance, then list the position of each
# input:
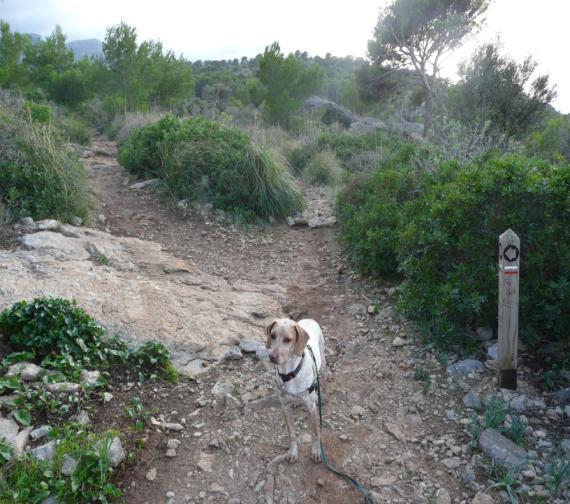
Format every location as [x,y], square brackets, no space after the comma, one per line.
[296,375]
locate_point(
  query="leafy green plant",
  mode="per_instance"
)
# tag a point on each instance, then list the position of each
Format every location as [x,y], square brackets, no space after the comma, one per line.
[151,360]
[5,453]
[73,130]
[137,412]
[202,160]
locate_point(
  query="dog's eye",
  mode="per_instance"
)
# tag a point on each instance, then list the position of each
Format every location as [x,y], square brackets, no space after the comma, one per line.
[272,335]
[286,340]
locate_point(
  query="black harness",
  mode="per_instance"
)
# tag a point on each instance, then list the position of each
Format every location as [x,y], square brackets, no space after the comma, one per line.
[285,377]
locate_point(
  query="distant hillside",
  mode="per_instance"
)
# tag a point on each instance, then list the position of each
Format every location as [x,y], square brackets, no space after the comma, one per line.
[87,47]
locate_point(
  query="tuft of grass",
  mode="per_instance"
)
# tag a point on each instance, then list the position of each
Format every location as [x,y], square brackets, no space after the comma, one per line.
[74,131]
[517,430]
[39,176]
[504,478]
[323,169]
[558,474]
[496,411]
[422,375]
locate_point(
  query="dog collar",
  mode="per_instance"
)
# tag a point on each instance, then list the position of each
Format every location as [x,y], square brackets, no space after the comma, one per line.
[289,376]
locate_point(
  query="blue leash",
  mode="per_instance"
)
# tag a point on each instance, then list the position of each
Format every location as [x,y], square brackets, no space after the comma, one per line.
[368,499]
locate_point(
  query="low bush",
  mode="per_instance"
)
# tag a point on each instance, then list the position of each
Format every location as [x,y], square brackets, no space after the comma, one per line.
[439,232]
[323,169]
[299,154]
[39,177]
[199,159]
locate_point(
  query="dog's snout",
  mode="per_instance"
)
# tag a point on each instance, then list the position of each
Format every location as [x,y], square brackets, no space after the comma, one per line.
[273,358]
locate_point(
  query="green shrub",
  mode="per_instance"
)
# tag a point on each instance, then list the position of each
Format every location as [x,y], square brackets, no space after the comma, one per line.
[553,143]
[199,159]
[299,154]
[49,326]
[38,112]
[39,177]
[323,169]
[371,215]
[75,131]
[449,250]
[439,231]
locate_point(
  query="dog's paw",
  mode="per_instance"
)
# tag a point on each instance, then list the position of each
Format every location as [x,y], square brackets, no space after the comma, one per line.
[293,454]
[316,455]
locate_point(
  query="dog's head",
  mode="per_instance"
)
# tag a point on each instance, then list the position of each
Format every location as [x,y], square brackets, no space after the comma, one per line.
[285,339]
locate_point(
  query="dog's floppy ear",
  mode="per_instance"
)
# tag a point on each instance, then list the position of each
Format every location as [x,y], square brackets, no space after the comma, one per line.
[268,330]
[302,340]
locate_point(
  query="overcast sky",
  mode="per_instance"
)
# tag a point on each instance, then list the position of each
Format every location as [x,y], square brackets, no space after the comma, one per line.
[214,29]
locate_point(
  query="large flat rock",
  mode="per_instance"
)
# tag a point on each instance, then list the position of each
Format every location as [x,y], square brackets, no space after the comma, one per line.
[137,290]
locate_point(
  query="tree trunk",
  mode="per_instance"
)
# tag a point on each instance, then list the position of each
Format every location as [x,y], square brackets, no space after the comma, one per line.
[428,112]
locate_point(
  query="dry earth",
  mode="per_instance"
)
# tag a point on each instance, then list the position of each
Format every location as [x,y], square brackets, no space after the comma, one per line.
[202,286]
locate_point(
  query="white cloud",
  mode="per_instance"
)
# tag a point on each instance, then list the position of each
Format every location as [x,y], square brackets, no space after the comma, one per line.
[213,29]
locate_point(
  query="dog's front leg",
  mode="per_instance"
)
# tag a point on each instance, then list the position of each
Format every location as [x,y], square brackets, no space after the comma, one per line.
[293,453]
[311,405]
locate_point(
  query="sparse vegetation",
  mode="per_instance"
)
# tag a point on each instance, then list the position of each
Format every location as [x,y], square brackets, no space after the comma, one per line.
[323,169]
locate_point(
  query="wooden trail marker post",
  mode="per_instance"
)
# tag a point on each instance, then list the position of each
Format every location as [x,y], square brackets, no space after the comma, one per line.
[509,269]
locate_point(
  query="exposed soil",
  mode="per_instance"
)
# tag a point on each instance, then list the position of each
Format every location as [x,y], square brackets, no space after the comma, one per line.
[240,441]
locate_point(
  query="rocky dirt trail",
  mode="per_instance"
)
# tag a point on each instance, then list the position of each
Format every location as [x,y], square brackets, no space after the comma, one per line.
[206,288]
[375,416]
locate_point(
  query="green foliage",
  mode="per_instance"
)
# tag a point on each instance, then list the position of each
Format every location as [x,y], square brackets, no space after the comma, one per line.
[151,359]
[75,131]
[439,231]
[137,412]
[39,177]
[493,93]
[12,47]
[70,87]
[38,112]
[416,33]
[553,143]
[202,160]
[50,326]
[558,474]
[517,429]
[299,154]
[449,258]
[323,169]
[496,411]
[287,81]
[504,478]
[28,480]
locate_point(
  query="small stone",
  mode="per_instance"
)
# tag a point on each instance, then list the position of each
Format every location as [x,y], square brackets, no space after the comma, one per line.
[528,474]
[45,452]
[562,396]
[484,333]
[27,371]
[90,377]
[107,397]
[481,498]
[357,309]
[472,401]
[63,387]
[443,497]
[205,462]
[151,474]
[321,482]
[170,494]
[344,437]
[234,353]
[27,221]
[465,367]
[493,352]
[171,453]
[501,449]
[173,426]
[101,218]
[382,481]
[357,412]
[8,430]
[398,342]
[467,475]
[452,463]
[565,446]
[116,452]
[220,389]
[48,225]
[20,442]
[371,309]
[250,346]
[172,444]
[40,432]
[76,221]
[82,418]
[68,465]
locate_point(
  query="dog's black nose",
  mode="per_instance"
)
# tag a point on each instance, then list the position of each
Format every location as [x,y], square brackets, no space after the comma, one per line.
[273,358]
